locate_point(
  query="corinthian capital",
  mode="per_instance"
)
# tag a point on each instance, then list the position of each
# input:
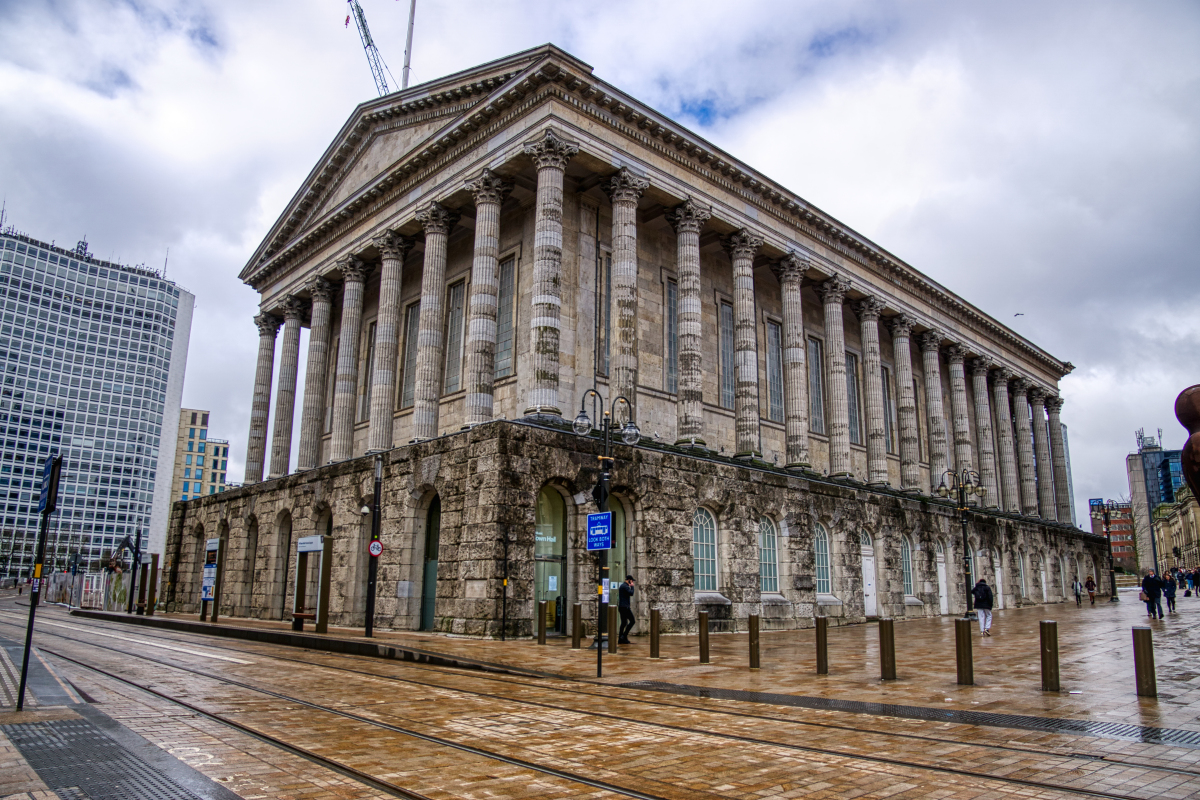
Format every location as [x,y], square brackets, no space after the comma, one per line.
[625,187]
[901,325]
[489,188]
[930,340]
[980,365]
[551,150]
[956,353]
[320,290]
[1054,404]
[292,307]
[742,244]
[792,268]
[353,269]
[689,216]
[268,325]
[1004,374]
[1037,395]
[435,218]
[392,245]
[1020,386]
[833,290]
[868,309]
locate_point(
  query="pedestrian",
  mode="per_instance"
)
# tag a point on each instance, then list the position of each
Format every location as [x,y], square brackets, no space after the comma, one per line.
[1152,588]
[1077,588]
[623,605]
[1091,589]
[1169,588]
[983,606]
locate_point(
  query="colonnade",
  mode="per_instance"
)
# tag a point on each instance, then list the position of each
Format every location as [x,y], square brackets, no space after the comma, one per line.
[1025,472]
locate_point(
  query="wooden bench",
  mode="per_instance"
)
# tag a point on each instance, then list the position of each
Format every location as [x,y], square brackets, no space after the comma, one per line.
[298,620]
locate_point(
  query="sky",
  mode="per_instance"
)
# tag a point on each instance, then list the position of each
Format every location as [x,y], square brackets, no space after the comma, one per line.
[1042,160]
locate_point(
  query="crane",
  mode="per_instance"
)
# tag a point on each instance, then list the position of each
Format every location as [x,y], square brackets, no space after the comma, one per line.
[378,68]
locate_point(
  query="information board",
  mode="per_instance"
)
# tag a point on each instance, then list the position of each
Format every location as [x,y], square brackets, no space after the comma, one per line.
[310,544]
[599,531]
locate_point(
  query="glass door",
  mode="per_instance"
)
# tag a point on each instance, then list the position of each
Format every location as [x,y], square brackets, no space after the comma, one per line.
[550,559]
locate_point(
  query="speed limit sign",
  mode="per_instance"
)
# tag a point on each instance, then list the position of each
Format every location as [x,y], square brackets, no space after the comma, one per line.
[376,547]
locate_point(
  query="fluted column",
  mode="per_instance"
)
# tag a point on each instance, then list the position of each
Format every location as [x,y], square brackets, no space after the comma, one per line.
[1041,451]
[688,219]
[624,190]
[285,390]
[833,294]
[939,457]
[964,452]
[550,153]
[345,379]
[795,377]
[868,310]
[1058,455]
[1010,486]
[392,249]
[983,430]
[260,406]
[906,404]
[489,190]
[1024,436]
[312,415]
[742,247]
[427,390]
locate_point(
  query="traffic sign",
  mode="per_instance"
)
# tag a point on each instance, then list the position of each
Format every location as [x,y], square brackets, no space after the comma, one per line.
[599,531]
[48,499]
[375,548]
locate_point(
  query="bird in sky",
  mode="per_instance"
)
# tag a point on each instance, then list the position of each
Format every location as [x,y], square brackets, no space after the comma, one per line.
[1019,314]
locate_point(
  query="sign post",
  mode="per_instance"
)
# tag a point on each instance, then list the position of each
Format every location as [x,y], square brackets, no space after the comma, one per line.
[599,539]
[375,549]
[47,502]
[208,580]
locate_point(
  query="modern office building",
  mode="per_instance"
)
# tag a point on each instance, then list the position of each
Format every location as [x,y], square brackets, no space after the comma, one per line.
[1154,476]
[200,461]
[93,355]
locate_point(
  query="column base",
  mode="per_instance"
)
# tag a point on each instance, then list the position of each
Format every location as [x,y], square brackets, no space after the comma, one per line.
[879,484]
[690,442]
[842,475]
[549,412]
[748,456]
[799,466]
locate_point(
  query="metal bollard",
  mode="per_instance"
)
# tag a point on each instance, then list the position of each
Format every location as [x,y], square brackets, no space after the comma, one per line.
[1143,662]
[614,628]
[1049,631]
[655,621]
[754,662]
[963,652]
[822,645]
[576,626]
[887,649]
[541,622]
[703,637]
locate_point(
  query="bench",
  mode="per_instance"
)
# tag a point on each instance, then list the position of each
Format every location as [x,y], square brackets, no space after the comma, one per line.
[298,620]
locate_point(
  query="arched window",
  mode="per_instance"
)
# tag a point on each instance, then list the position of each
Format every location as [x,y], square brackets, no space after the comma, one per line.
[704,550]
[768,556]
[864,539]
[1021,567]
[906,565]
[823,573]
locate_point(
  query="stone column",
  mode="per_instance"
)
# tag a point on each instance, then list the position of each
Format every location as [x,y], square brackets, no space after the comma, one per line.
[795,376]
[906,404]
[931,342]
[868,310]
[1041,446]
[312,415]
[624,190]
[1058,454]
[983,431]
[688,219]
[260,407]
[489,190]
[1010,486]
[550,154]
[964,453]
[392,249]
[833,294]
[427,391]
[285,391]
[1024,434]
[345,379]
[742,247]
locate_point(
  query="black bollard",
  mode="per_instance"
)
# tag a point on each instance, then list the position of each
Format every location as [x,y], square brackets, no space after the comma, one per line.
[1049,631]
[754,661]
[614,628]
[963,652]
[1143,662]
[576,626]
[703,637]
[887,649]
[822,645]
[655,621]
[541,621]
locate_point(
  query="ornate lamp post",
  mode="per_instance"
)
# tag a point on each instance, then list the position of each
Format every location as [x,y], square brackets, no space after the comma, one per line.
[1103,513]
[961,486]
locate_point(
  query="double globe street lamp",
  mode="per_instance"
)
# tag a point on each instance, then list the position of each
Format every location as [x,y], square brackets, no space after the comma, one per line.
[961,486]
[1102,512]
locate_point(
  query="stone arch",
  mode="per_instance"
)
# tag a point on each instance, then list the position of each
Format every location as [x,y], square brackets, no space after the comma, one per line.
[281,556]
[249,581]
[227,588]
[557,535]
[430,542]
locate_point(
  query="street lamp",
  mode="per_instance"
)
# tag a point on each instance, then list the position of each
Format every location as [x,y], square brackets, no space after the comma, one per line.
[1103,512]
[629,435]
[961,486]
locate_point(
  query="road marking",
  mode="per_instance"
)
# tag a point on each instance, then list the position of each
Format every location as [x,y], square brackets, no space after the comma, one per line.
[145,642]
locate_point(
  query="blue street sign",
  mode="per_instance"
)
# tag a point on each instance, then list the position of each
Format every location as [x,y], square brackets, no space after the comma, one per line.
[600,531]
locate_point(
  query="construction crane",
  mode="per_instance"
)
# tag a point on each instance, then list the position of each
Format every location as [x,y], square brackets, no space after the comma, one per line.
[378,67]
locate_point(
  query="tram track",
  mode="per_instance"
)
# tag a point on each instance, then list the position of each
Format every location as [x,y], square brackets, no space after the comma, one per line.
[750,740]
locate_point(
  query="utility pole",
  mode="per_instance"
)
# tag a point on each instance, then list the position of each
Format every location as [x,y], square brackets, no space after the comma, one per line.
[412,16]
[51,473]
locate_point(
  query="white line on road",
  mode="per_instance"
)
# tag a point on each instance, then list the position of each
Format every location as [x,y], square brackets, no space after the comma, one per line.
[145,642]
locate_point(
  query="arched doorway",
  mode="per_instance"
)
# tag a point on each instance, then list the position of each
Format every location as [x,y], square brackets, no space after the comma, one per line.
[251,562]
[550,557]
[618,556]
[998,589]
[943,593]
[283,554]
[429,575]
[870,595]
[1042,574]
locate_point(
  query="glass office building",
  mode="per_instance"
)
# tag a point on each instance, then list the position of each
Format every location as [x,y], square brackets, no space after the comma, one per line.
[93,355]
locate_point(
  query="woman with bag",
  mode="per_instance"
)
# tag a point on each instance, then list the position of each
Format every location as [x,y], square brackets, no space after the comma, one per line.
[1152,594]
[1091,589]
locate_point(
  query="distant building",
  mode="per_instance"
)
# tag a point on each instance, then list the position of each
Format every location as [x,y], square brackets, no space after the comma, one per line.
[200,461]
[1154,476]
[93,355]
[1175,531]
[1125,554]
[1070,478]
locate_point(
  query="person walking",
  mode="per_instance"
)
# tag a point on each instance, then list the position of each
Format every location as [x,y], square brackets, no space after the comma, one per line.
[624,607]
[1170,586]
[1152,588]
[1090,585]
[1077,588]
[983,606]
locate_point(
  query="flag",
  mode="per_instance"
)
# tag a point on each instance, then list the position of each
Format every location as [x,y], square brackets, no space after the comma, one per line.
[347,20]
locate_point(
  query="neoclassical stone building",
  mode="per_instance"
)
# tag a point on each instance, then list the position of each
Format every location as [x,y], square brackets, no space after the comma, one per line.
[472,255]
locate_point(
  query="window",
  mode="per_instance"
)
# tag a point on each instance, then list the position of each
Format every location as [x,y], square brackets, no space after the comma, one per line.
[728,380]
[906,565]
[889,411]
[212,490]
[853,401]
[193,417]
[189,460]
[704,550]
[816,386]
[768,556]
[672,333]
[775,372]
[201,447]
[604,314]
[203,435]
[364,403]
[454,337]
[187,473]
[191,446]
[917,417]
[186,486]
[192,431]
[822,572]
[204,419]
[504,319]
[411,330]
[200,461]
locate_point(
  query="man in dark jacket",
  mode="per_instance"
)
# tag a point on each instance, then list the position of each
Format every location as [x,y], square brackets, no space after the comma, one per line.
[982,593]
[623,606]
[1152,587]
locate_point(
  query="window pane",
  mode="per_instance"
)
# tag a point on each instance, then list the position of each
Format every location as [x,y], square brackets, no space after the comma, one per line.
[504,320]
[889,411]
[604,312]
[852,398]
[822,572]
[775,371]
[410,355]
[917,418]
[364,403]
[816,386]
[768,556]
[672,377]
[704,550]
[454,330]
[906,565]
[726,345]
